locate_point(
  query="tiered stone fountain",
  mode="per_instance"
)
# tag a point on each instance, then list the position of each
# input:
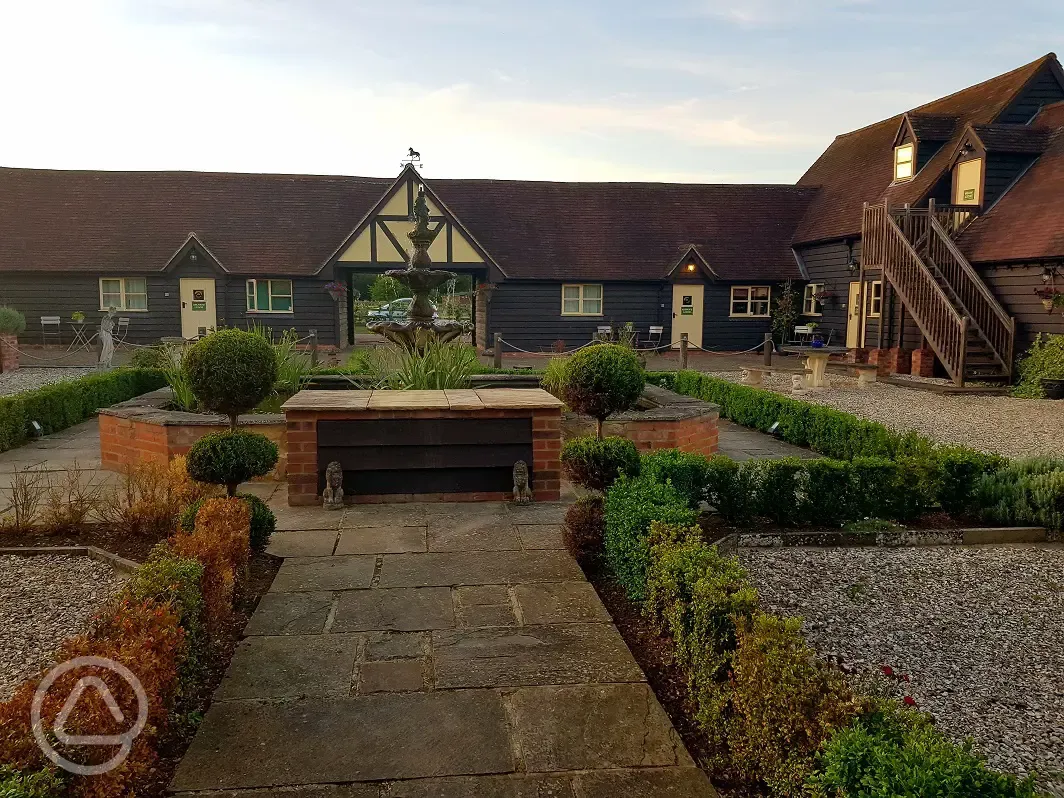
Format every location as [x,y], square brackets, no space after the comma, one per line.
[422,327]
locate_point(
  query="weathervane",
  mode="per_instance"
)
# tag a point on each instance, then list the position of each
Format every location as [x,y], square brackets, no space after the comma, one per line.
[413,158]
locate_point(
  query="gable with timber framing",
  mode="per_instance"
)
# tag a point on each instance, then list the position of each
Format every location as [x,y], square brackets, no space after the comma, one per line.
[381,237]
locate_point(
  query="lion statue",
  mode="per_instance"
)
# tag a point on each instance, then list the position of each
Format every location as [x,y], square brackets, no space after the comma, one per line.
[333,495]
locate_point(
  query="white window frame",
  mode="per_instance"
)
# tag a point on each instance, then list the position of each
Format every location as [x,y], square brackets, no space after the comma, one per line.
[911,161]
[875,299]
[749,301]
[811,306]
[251,292]
[583,300]
[124,294]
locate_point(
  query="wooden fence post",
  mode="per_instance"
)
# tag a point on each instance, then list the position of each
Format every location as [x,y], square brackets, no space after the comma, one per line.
[768,349]
[683,351]
[497,351]
[313,348]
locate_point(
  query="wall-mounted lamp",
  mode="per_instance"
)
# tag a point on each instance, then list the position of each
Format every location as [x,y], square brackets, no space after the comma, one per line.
[192,256]
[691,267]
[851,262]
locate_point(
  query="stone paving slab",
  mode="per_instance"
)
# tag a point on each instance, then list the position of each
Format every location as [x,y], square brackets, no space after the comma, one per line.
[302,519]
[405,514]
[480,531]
[292,667]
[303,543]
[532,655]
[313,791]
[324,573]
[393,676]
[367,738]
[538,512]
[290,614]
[382,540]
[396,645]
[560,602]
[486,568]
[522,786]
[593,726]
[687,782]
[399,609]
[541,536]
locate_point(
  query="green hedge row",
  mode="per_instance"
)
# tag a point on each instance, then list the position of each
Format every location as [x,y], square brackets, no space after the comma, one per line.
[778,720]
[63,404]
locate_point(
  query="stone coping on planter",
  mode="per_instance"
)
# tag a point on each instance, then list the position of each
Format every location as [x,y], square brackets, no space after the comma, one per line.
[120,564]
[968,536]
[151,408]
[460,399]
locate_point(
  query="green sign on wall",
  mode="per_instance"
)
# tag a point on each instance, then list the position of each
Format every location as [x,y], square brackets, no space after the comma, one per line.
[687,311]
[199,305]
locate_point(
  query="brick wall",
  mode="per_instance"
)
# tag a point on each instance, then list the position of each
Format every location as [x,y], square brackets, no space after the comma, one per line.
[302,426]
[696,434]
[128,441]
[8,353]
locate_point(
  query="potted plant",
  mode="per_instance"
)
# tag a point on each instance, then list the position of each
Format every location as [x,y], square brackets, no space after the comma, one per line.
[336,290]
[12,322]
[825,296]
[77,317]
[818,339]
[1051,298]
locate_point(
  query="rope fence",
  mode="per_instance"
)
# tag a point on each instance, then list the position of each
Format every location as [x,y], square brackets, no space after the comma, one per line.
[673,347]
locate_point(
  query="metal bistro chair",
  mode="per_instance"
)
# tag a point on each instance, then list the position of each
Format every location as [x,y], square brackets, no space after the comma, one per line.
[50,329]
[803,334]
[122,329]
[604,333]
[654,336]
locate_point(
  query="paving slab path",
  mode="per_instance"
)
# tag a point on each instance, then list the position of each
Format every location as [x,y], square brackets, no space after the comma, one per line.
[433,651]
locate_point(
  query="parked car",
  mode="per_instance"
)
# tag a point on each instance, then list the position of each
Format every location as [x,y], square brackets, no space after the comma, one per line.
[396,310]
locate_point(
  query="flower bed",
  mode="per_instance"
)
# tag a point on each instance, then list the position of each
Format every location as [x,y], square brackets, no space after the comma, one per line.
[773,718]
[144,430]
[169,626]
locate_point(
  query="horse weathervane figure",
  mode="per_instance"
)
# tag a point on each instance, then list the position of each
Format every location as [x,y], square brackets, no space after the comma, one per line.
[413,158]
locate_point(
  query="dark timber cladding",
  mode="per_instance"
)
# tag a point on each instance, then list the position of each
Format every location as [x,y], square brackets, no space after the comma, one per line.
[432,455]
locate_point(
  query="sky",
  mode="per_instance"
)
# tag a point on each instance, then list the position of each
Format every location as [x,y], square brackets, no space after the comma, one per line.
[656,90]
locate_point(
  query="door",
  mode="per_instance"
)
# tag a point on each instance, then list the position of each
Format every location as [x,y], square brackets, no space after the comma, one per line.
[853,316]
[967,188]
[199,313]
[687,313]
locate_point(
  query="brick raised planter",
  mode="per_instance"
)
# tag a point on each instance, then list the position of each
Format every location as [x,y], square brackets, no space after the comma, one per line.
[8,353]
[396,446]
[143,431]
[670,421]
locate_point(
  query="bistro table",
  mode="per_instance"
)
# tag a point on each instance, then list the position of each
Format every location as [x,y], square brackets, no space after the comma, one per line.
[816,360]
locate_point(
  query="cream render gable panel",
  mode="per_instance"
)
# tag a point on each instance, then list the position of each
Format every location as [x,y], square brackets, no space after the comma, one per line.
[384,239]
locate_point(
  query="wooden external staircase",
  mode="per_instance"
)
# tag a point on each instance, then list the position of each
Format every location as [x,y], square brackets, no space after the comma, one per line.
[959,316]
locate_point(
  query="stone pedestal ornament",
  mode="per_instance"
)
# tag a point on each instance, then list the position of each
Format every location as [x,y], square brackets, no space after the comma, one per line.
[422,328]
[522,493]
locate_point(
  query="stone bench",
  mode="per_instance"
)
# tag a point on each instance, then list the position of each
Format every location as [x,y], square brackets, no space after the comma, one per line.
[754,375]
[866,374]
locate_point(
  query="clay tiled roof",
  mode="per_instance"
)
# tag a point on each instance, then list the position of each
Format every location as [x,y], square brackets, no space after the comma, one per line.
[1028,222]
[60,221]
[56,221]
[932,127]
[628,231]
[858,167]
[1020,139]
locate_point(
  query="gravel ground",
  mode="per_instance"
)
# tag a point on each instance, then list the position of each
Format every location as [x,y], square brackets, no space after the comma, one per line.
[1012,427]
[27,379]
[977,629]
[43,601]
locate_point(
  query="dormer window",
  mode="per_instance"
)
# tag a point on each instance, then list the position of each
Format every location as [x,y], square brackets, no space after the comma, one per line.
[903,162]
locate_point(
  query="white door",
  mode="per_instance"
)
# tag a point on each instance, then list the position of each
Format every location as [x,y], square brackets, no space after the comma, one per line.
[687,313]
[853,315]
[199,313]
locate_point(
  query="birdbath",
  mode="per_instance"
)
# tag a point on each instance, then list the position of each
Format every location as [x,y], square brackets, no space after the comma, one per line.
[422,327]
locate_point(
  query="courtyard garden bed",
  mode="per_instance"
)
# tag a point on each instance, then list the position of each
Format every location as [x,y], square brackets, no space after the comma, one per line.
[971,635]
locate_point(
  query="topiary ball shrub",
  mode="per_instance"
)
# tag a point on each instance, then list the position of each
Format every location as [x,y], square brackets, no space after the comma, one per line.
[263,521]
[603,379]
[12,322]
[231,371]
[595,463]
[584,526]
[229,458]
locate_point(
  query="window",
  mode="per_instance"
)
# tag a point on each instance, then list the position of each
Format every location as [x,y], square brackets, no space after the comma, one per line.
[810,304]
[582,300]
[270,296]
[750,300]
[875,300]
[123,293]
[903,161]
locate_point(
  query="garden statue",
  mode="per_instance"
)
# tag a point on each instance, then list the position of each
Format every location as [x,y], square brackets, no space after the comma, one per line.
[522,492]
[333,495]
[797,384]
[421,327]
[107,339]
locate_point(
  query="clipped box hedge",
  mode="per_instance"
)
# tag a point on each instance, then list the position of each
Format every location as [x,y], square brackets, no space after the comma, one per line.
[63,404]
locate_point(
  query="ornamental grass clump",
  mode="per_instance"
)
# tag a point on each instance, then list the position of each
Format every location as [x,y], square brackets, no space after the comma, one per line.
[601,380]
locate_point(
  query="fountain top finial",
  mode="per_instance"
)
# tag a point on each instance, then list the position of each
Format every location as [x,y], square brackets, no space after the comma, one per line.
[421,236]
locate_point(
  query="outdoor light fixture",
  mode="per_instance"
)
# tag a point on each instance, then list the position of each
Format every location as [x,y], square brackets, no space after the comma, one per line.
[774,429]
[193,256]
[36,430]
[690,267]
